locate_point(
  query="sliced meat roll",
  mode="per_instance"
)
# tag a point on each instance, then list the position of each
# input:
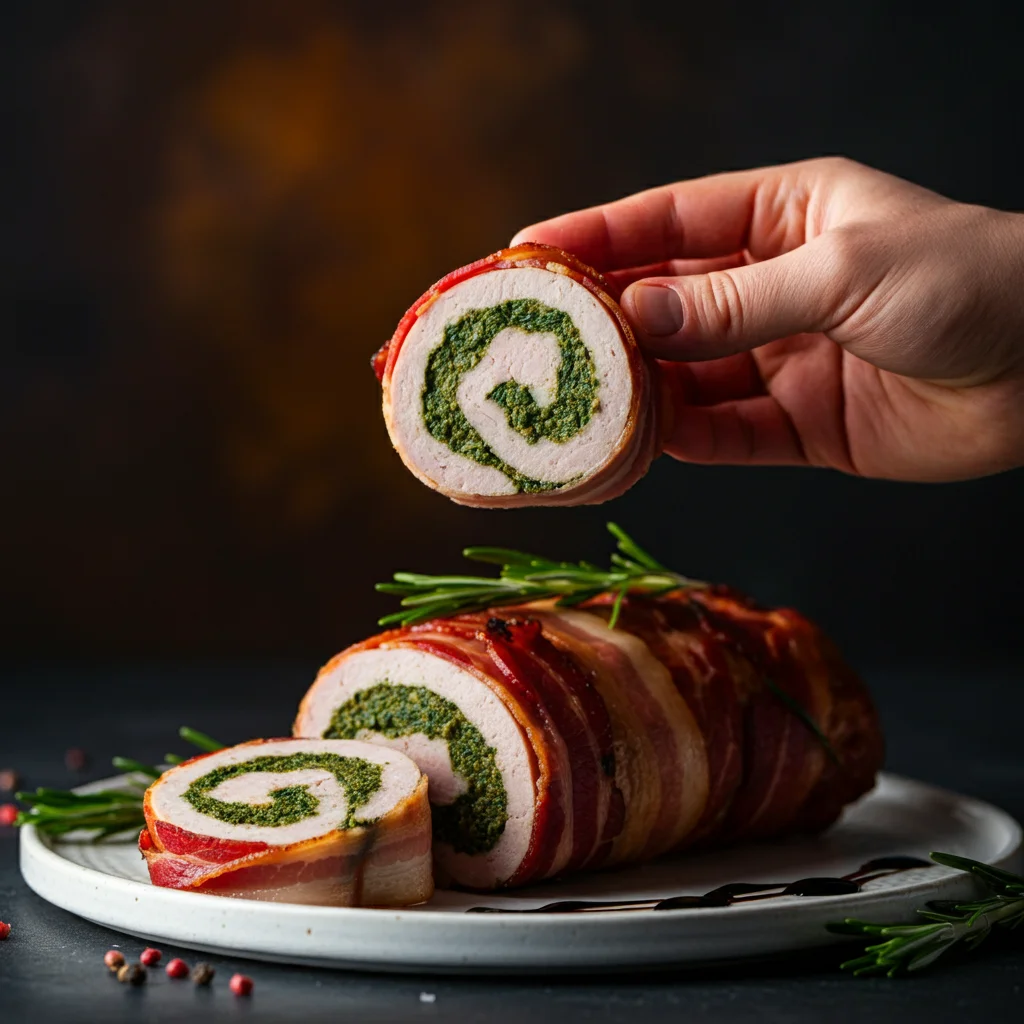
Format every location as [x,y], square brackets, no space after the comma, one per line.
[519,746]
[496,766]
[554,743]
[329,822]
[517,381]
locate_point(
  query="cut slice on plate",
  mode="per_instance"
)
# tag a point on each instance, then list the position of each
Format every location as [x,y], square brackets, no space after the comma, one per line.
[329,822]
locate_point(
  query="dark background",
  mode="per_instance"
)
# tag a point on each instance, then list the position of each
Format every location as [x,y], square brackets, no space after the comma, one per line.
[217,211]
[214,212]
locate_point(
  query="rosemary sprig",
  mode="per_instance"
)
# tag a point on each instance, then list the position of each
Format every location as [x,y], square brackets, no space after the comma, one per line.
[524,577]
[107,812]
[200,740]
[911,947]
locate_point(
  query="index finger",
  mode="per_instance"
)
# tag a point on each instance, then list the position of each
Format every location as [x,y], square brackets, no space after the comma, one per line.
[705,217]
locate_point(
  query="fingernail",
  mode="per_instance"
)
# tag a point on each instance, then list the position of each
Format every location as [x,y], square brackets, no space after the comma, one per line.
[658,309]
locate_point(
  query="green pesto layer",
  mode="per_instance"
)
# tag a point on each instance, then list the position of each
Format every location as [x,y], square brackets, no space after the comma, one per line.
[359,778]
[474,822]
[463,346]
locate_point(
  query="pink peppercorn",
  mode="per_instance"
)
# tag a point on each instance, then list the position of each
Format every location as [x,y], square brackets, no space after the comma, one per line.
[5,930]
[114,959]
[76,759]
[240,984]
[177,968]
[150,957]
[8,812]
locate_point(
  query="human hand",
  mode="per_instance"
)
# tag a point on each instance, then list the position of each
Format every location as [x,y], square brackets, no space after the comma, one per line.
[821,313]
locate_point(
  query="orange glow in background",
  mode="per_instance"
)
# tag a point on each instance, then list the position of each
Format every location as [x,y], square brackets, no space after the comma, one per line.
[219,210]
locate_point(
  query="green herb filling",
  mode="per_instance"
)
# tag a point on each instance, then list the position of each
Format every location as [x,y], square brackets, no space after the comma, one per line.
[359,778]
[474,821]
[463,346]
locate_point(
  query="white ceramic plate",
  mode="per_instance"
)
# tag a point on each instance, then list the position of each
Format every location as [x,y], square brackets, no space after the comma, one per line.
[107,884]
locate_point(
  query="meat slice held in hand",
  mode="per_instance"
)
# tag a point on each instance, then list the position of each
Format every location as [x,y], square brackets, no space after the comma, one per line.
[516,380]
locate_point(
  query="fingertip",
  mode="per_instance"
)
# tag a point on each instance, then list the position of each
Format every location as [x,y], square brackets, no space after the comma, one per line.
[655,307]
[548,232]
[680,318]
[582,233]
[655,312]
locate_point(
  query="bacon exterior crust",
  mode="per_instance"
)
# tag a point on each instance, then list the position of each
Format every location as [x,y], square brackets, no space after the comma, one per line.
[643,437]
[807,789]
[385,864]
[672,731]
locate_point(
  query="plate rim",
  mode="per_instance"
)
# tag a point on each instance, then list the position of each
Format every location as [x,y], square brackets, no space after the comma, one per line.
[39,847]
[576,930]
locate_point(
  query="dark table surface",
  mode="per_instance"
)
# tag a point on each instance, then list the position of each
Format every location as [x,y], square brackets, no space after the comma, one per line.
[960,728]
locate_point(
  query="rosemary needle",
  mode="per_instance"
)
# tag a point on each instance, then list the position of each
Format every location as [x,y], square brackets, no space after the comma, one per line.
[200,739]
[907,948]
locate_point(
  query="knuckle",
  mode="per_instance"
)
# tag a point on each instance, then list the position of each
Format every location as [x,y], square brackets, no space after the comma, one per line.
[835,166]
[860,275]
[848,249]
[723,305]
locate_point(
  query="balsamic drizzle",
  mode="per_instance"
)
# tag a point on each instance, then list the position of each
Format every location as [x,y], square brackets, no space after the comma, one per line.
[734,892]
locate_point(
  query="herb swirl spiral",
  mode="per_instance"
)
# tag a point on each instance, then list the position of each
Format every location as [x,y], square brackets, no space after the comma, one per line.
[463,346]
[359,779]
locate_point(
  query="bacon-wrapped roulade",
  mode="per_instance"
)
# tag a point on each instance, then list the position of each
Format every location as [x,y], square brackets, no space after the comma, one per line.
[555,743]
[316,821]
[516,380]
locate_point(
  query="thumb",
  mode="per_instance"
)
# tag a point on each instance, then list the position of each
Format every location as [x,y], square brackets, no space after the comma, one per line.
[707,316]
